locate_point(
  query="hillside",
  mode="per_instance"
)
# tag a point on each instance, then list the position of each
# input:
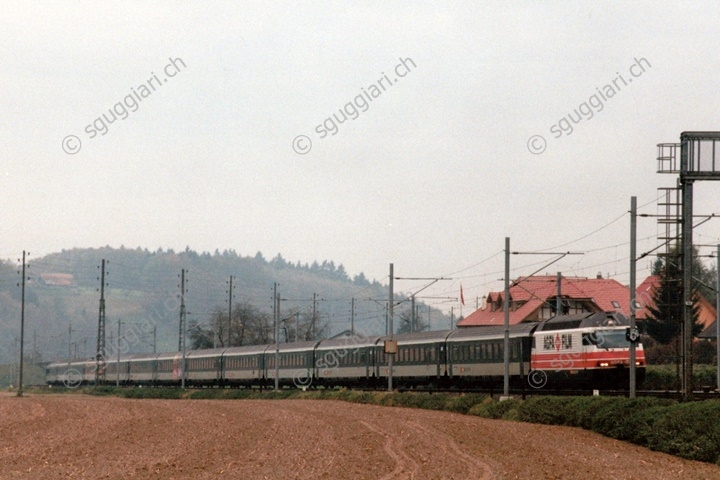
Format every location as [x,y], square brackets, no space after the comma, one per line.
[142,290]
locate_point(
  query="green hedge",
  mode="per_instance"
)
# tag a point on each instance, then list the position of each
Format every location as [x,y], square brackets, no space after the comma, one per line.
[688,430]
[664,377]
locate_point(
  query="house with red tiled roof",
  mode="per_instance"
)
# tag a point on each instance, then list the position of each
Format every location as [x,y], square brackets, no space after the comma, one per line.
[646,291]
[533,299]
[57,280]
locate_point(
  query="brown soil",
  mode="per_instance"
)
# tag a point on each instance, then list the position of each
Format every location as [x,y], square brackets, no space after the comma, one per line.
[73,436]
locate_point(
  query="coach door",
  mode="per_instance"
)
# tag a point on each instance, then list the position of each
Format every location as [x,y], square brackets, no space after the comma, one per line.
[441,355]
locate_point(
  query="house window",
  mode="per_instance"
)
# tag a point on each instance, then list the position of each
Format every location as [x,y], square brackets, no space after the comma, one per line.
[615,304]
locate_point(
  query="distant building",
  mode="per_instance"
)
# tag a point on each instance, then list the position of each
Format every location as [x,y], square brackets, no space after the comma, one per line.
[533,299]
[57,280]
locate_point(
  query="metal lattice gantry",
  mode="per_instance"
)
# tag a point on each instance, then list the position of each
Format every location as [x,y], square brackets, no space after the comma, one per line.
[699,159]
[669,219]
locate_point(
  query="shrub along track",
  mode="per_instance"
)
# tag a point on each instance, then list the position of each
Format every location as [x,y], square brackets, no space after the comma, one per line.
[77,436]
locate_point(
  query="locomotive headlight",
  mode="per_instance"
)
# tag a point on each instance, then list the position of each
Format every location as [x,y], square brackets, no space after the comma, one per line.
[603,364]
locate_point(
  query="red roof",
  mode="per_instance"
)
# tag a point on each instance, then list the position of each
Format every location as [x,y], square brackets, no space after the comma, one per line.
[645,293]
[601,293]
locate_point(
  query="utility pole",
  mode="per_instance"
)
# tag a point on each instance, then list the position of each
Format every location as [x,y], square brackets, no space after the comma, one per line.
[687,272]
[15,368]
[230,295]
[100,350]
[452,317]
[412,313]
[69,343]
[297,325]
[352,316]
[390,326]
[154,338]
[117,369]
[22,328]
[387,321]
[506,308]
[312,323]
[276,311]
[558,299]
[182,342]
[633,267]
[717,318]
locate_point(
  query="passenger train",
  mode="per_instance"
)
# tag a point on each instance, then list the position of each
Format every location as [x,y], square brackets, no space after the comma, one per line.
[589,350]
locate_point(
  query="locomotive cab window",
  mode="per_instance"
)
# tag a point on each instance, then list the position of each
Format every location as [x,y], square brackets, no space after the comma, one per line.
[606,339]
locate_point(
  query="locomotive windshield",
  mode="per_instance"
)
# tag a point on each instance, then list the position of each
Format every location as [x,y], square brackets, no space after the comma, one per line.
[606,339]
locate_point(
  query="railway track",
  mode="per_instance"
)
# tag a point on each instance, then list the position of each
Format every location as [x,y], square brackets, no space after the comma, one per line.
[704,394]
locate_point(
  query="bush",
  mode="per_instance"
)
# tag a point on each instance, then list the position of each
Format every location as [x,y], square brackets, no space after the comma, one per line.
[548,410]
[689,430]
[489,408]
[162,393]
[622,418]
[664,377]
[705,353]
[463,403]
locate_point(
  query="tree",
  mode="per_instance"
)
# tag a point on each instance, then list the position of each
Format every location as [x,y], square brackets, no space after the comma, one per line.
[665,321]
[360,280]
[409,324]
[200,337]
[309,329]
[249,326]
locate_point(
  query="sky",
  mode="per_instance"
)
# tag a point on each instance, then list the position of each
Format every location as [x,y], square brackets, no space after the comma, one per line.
[367,133]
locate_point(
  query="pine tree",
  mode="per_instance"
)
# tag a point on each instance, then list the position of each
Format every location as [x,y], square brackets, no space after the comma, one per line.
[664,323]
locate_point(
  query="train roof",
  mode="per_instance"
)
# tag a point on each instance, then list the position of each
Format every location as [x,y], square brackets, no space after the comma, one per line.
[138,357]
[349,342]
[204,353]
[585,320]
[169,355]
[293,347]
[245,350]
[491,332]
[418,337]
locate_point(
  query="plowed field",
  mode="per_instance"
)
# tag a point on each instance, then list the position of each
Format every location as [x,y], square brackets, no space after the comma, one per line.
[74,436]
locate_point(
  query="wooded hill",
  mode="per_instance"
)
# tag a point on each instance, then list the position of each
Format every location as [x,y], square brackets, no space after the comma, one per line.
[142,290]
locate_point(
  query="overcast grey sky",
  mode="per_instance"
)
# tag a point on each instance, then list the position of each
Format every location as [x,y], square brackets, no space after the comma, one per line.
[431,174]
